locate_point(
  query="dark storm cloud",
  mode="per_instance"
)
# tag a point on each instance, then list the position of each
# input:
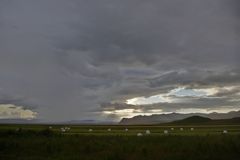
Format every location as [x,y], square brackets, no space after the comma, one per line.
[140,32]
[198,77]
[16,100]
[68,57]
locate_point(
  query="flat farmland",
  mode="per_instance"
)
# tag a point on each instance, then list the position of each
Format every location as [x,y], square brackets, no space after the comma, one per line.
[128,129]
[113,142]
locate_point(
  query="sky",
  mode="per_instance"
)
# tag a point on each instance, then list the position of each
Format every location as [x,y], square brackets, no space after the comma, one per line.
[104,60]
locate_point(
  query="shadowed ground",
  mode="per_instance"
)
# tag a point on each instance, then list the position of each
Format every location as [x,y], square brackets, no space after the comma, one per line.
[37,142]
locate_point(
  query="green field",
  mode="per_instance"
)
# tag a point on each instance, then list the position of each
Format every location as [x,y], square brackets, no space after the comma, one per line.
[132,129]
[36,142]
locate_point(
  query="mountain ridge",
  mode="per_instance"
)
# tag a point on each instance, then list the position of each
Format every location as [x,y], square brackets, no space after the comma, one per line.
[198,120]
[165,118]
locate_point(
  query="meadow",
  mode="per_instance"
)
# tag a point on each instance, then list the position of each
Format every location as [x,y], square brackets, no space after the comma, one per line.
[97,142]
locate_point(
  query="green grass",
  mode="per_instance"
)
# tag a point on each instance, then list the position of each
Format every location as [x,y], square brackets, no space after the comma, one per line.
[36,142]
[132,129]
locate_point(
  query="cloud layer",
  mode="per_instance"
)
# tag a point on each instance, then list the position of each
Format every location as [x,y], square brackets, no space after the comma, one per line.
[9,111]
[69,59]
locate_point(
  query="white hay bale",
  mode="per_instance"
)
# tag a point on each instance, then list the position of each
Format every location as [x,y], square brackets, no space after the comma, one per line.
[126,129]
[192,129]
[181,129]
[63,130]
[148,132]
[90,130]
[172,129]
[165,131]
[67,128]
[109,130]
[225,131]
[139,134]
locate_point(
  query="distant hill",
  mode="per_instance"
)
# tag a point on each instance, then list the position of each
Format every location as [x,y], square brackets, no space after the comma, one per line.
[193,120]
[165,118]
[197,120]
[18,121]
[87,122]
[38,121]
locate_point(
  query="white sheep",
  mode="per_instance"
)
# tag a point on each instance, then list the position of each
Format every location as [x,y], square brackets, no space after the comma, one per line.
[192,129]
[126,129]
[172,129]
[181,129]
[109,130]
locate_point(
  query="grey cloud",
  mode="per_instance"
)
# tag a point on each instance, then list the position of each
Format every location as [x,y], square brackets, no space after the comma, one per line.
[233,93]
[134,35]
[197,78]
[16,100]
[66,58]
[188,103]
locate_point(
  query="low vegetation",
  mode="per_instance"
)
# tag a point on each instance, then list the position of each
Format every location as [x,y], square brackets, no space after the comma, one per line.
[38,142]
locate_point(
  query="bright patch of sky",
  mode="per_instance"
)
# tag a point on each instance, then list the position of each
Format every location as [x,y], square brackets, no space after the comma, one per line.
[180,95]
[15,112]
[128,113]
[148,100]
[167,97]
[183,92]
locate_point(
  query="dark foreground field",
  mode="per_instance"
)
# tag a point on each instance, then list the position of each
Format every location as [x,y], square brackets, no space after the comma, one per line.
[38,144]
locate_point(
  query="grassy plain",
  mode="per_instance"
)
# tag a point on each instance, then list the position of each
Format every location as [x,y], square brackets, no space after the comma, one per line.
[37,142]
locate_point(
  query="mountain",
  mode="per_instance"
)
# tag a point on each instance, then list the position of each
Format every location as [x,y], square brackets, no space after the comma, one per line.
[87,122]
[197,120]
[193,120]
[165,118]
[71,122]
[18,121]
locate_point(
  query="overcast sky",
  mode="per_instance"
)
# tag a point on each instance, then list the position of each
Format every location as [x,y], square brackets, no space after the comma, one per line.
[107,59]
